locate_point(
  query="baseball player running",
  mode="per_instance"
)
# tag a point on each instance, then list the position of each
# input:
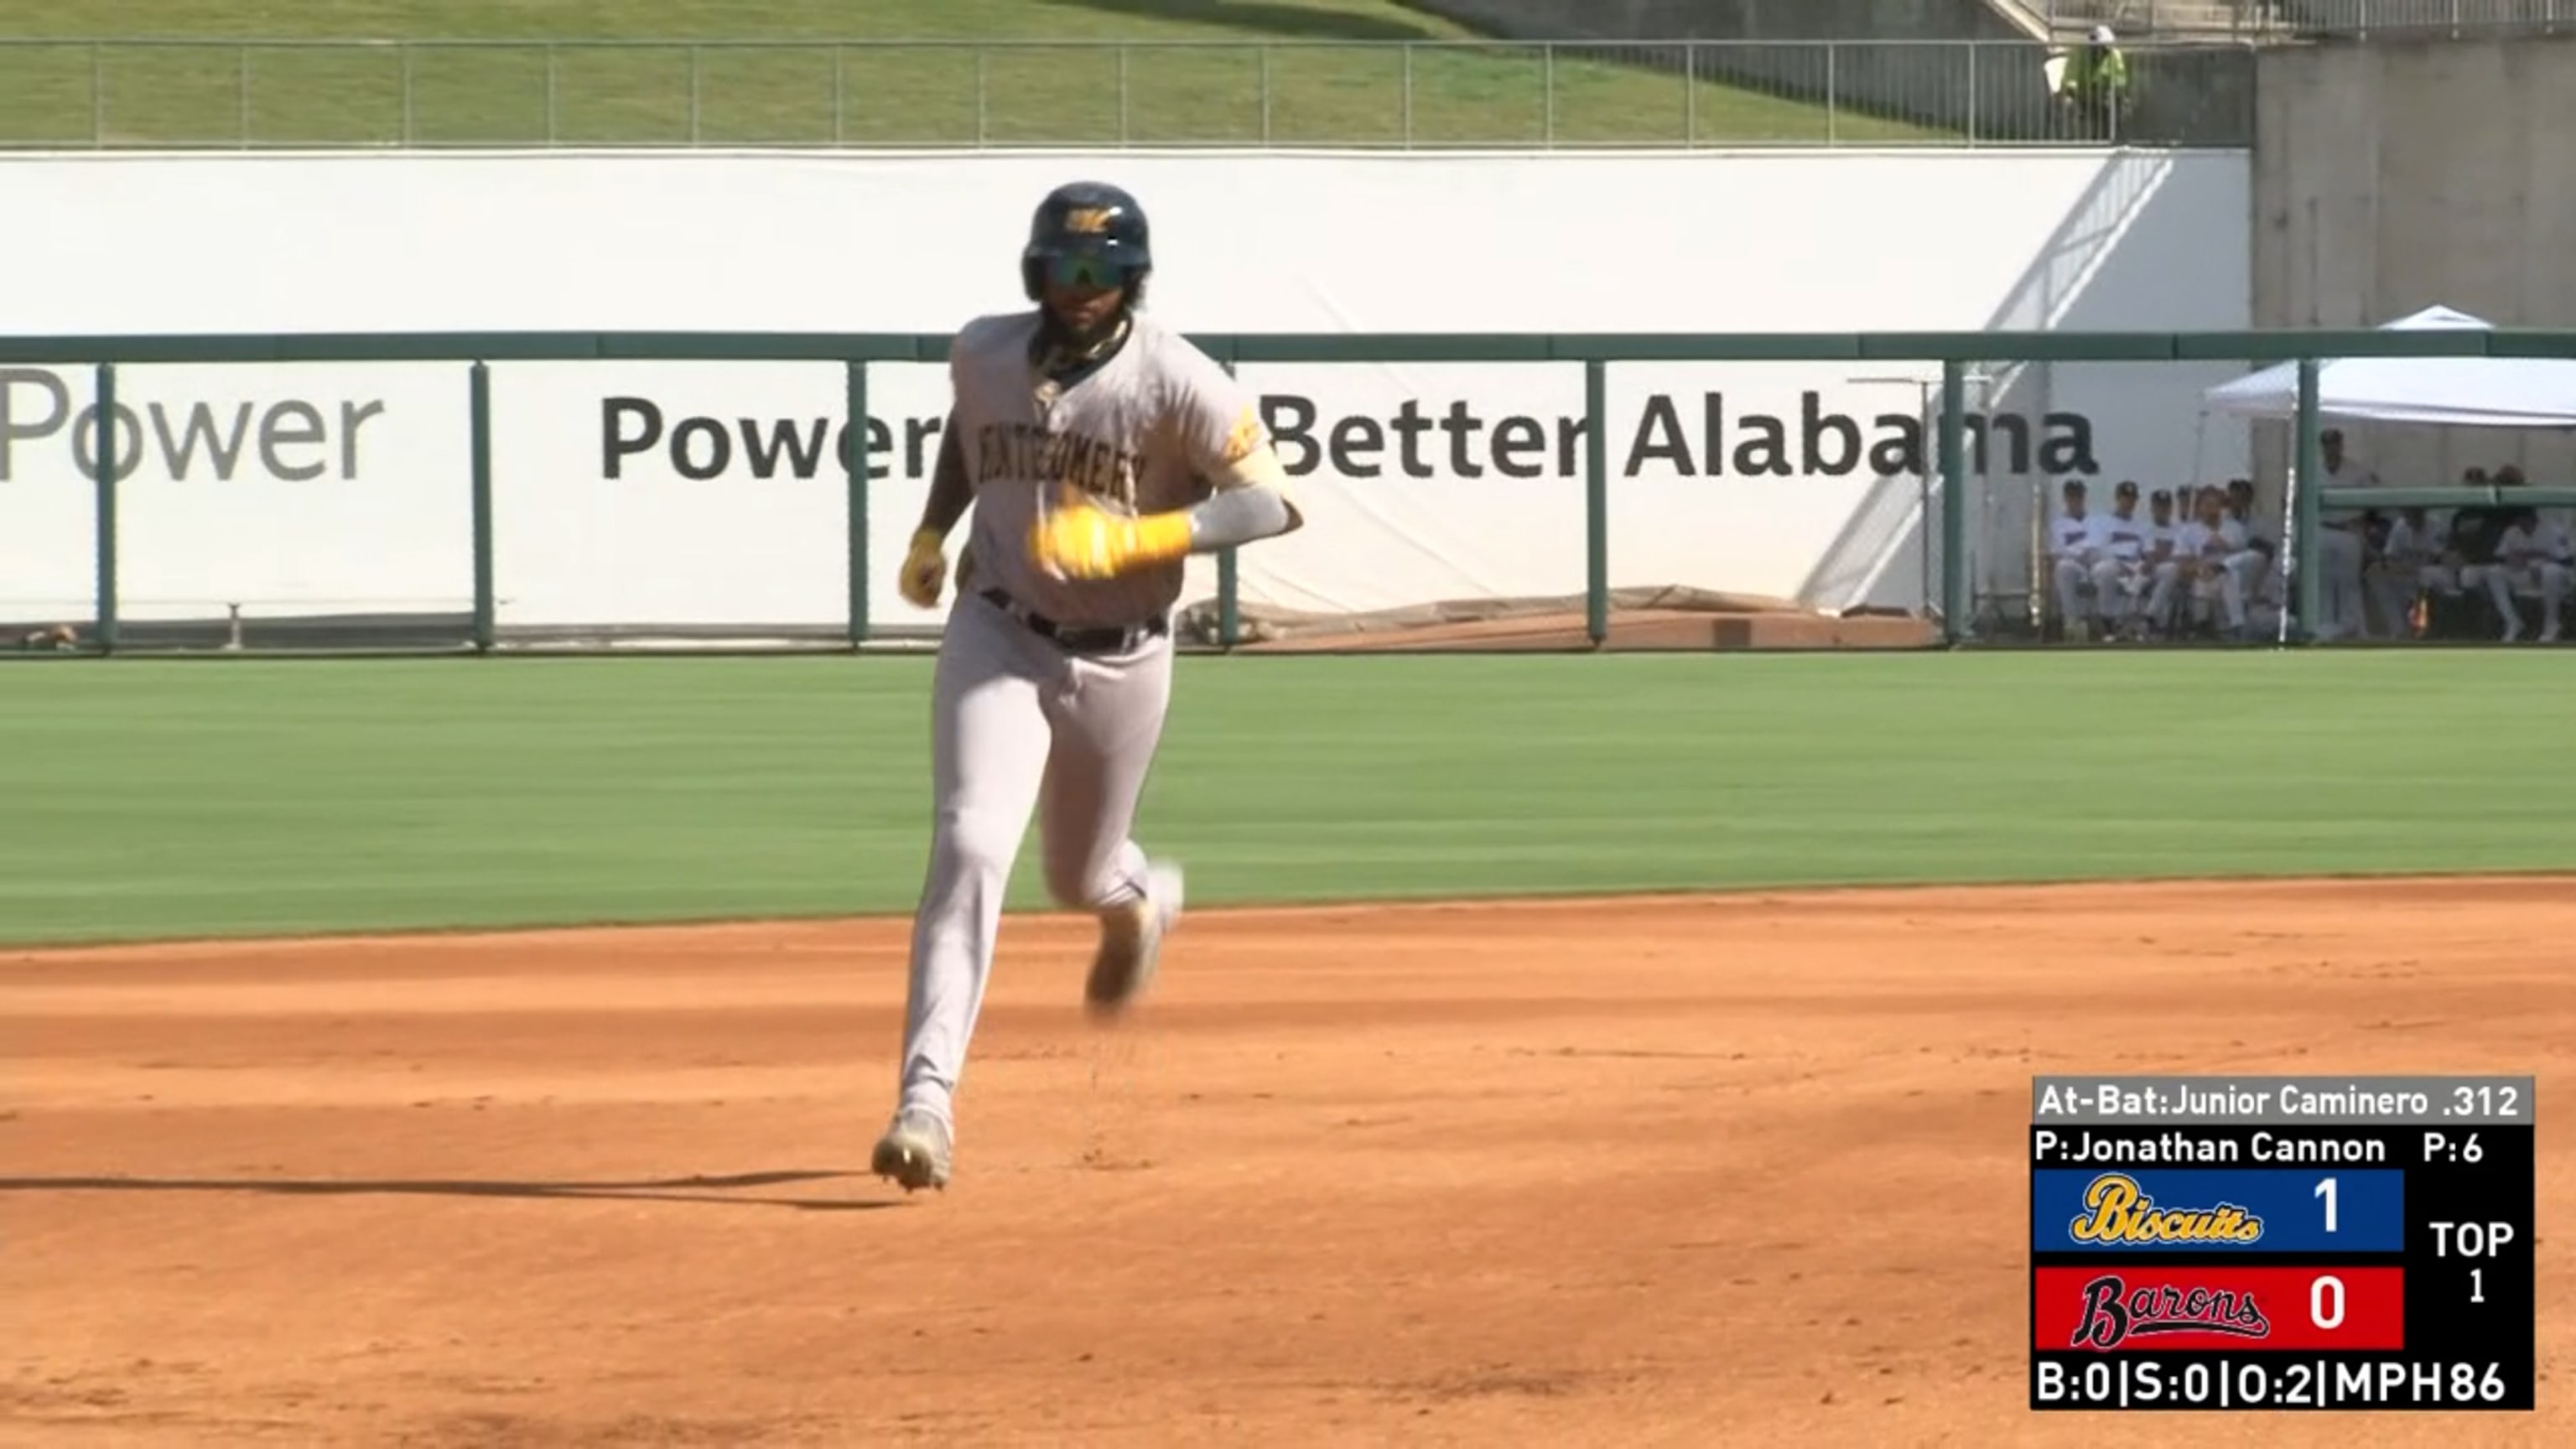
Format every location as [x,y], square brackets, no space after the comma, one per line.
[1098,450]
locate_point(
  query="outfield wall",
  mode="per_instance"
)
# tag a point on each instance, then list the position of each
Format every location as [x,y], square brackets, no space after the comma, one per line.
[709,494]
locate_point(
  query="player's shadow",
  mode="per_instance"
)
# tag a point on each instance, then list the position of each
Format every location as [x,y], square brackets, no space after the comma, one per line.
[668,1189]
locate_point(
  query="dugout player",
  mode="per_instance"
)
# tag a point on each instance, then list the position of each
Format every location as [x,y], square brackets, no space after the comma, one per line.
[2532,557]
[2120,572]
[2342,543]
[2163,569]
[2074,547]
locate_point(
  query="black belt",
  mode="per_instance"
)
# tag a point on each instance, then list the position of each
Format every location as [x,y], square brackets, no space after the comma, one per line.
[1078,639]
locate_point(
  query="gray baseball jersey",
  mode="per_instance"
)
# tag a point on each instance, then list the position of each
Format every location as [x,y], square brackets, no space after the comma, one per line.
[1151,430]
[1017,723]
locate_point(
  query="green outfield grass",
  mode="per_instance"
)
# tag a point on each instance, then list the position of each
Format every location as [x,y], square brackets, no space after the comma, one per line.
[175,798]
[1321,89]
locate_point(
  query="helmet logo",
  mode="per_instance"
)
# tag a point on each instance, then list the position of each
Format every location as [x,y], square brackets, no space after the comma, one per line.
[1088,220]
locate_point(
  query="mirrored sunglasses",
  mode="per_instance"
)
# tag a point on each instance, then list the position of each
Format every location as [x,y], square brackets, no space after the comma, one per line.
[1082,270]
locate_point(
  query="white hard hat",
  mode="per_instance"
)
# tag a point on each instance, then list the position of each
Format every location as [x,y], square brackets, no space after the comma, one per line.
[2101,35]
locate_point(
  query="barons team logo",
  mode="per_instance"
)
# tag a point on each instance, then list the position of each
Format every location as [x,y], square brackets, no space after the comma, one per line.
[2117,1210]
[2114,1313]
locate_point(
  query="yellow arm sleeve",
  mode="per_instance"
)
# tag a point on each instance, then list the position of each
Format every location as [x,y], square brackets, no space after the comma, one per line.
[1161,537]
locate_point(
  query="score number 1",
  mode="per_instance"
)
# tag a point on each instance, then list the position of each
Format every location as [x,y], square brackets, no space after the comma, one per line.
[2316,1290]
[2497,1234]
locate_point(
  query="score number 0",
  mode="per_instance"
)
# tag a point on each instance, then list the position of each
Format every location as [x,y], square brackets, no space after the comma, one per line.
[2327,1191]
[2317,1289]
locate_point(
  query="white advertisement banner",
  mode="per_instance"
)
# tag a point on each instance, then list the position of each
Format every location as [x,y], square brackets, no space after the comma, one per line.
[711,494]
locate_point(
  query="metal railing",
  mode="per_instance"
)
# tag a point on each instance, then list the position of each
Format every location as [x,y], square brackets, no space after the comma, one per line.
[164,94]
[1956,352]
[2254,19]
[2132,19]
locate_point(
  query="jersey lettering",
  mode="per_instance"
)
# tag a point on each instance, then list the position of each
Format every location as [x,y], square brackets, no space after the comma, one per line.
[2126,538]
[1150,429]
[1025,452]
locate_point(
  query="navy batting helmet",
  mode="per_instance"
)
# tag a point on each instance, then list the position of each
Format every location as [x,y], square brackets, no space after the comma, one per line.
[1087,231]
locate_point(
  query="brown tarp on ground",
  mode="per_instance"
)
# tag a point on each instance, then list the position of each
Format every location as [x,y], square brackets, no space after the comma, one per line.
[1668,617]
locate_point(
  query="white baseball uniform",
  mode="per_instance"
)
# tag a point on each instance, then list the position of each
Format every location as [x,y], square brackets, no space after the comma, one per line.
[2530,560]
[2193,551]
[2410,562]
[2119,565]
[2237,580]
[2164,570]
[2339,557]
[2072,546]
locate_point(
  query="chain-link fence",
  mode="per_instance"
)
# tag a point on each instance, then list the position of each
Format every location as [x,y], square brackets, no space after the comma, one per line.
[115,94]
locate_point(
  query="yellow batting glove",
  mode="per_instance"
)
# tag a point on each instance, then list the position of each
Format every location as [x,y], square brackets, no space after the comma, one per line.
[1079,541]
[925,570]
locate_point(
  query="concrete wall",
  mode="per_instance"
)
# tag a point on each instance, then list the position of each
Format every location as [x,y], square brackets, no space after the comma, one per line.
[2391,176]
[1987,80]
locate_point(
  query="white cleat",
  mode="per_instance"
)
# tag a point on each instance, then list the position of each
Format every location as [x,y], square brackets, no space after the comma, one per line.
[1131,940]
[915,1151]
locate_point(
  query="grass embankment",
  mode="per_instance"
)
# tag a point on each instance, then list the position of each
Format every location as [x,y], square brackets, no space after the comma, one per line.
[1279,73]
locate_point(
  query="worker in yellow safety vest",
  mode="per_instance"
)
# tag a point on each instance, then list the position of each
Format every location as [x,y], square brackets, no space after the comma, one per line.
[2095,85]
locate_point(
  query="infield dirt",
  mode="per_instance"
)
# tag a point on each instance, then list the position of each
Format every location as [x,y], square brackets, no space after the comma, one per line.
[1742,1170]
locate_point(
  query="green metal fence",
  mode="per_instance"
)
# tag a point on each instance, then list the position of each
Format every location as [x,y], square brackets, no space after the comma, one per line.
[233,94]
[1956,352]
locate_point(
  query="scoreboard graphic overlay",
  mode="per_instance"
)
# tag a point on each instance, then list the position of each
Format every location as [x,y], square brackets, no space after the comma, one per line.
[2281,1243]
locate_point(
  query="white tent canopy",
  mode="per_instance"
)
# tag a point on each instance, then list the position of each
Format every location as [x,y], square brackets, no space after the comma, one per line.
[2478,392]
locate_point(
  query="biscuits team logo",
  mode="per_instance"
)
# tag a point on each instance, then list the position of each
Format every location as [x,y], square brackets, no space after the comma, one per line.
[2117,1210]
[2114,1313]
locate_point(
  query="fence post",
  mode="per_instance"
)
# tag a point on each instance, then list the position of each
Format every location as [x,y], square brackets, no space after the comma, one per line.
[1596,501]
[1547,79]
[1408,95]
[407,125]
[1954,487]
[104,445]
[97,94]
[478,392]
[1974,48]
[840,94]
[1122,95]
[1265,94]
[1690,93]
[2307,516]
[1229,602]
[241,82]
[1229,587]
[551,128]
[1833,109]
[855,462]
[693,95]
